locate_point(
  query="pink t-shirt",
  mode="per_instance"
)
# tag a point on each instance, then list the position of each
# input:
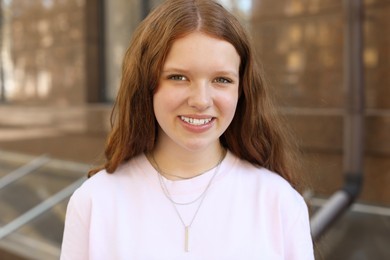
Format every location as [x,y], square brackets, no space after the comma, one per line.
[247,213]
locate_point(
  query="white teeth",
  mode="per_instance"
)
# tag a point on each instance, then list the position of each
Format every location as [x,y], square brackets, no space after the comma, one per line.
[195,121]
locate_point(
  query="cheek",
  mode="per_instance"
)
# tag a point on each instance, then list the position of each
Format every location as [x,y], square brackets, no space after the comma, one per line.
[227,105]
[159,112]
[160,100]
[157,106]
[164,104]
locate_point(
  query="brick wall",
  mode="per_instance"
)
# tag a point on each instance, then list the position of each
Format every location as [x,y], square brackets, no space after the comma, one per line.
[300,44]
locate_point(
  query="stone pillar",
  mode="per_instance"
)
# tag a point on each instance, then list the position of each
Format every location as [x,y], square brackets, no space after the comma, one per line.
[121,18]
[94,51]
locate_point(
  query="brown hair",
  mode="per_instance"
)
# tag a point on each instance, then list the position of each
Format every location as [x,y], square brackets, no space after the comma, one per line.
[255,133]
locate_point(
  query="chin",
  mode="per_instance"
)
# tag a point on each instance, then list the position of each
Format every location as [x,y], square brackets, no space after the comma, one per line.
[197,145]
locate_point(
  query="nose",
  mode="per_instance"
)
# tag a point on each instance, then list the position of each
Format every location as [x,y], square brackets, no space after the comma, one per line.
[200,96]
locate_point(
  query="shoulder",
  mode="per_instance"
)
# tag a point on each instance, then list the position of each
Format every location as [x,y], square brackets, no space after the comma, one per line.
[268,184]
[280,197]
[103,184]
[276,194]
[263,176]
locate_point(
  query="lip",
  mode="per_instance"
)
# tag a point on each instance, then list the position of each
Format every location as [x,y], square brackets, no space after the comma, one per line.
[197,116]
[197,128]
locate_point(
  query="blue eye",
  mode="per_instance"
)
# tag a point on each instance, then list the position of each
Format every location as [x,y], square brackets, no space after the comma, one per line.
[177,77]
[223,80]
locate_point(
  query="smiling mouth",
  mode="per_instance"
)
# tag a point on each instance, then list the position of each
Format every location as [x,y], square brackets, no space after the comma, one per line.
[196,121]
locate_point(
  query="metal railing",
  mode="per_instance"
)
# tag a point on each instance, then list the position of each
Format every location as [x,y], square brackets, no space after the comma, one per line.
[40,209]
[29,168]
[24,170]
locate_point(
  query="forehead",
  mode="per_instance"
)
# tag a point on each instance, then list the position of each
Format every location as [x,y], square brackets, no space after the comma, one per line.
[200,49]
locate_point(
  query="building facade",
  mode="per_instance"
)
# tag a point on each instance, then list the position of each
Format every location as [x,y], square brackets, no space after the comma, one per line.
[62,55]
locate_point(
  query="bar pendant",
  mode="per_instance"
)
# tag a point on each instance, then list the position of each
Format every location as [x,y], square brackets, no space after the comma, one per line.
[186,239]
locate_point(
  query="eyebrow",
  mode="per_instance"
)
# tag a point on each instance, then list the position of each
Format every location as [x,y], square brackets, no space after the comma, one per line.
[184,71]
[172,69]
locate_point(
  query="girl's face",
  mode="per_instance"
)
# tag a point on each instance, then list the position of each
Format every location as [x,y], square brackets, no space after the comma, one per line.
[197,93]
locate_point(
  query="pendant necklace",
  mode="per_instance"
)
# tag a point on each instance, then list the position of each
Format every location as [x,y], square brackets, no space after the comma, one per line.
[174,203]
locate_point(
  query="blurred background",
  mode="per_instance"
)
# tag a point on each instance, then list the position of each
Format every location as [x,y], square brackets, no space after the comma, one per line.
[60,68]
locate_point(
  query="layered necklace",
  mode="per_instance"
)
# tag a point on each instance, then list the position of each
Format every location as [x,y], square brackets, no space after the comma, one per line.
[174,203]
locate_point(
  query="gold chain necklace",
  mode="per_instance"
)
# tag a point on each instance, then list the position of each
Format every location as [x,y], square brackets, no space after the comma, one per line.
[174,203]
[181,177]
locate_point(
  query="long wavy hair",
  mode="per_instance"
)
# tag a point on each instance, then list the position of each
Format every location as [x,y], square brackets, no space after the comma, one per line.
[255,133]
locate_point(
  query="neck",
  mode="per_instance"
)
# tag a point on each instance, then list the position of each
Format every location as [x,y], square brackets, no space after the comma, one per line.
[177,165]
